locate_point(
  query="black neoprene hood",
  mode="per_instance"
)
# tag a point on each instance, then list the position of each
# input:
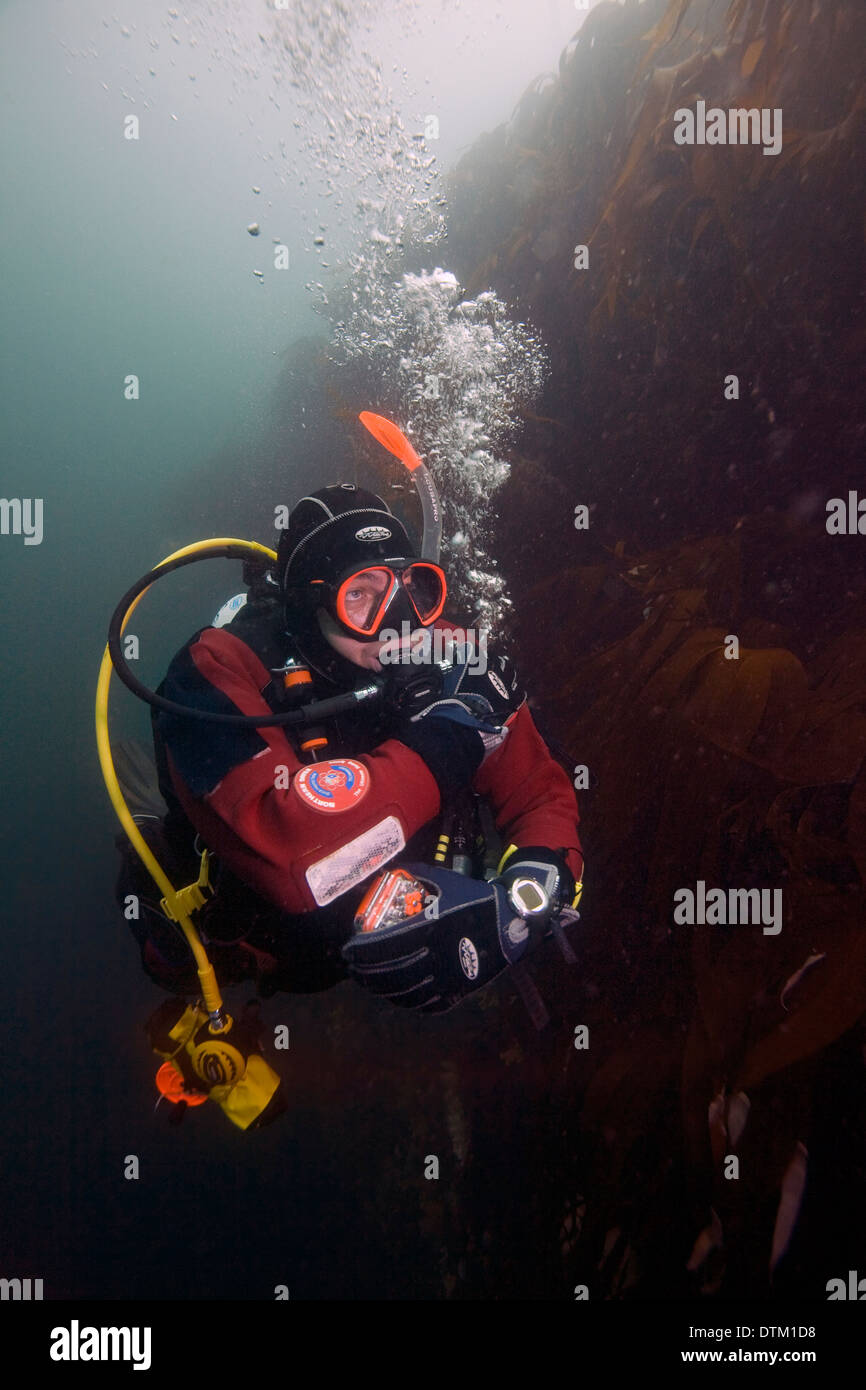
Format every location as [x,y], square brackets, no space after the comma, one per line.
[334,529]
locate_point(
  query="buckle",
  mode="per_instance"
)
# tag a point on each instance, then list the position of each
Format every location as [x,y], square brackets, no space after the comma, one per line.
[193,896]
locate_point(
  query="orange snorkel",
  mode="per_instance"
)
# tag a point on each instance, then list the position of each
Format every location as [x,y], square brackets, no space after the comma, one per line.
[397,444]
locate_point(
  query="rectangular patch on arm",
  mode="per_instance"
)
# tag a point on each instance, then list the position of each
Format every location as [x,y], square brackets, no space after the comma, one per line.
[352,863]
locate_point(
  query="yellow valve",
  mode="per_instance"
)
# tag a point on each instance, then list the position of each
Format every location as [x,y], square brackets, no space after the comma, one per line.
[195,895]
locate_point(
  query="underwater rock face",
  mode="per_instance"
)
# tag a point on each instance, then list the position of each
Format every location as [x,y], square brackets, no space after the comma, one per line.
[655,273]
[702,261]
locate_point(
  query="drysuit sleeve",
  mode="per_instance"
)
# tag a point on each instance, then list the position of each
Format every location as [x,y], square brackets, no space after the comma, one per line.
[300,835]
[530,795]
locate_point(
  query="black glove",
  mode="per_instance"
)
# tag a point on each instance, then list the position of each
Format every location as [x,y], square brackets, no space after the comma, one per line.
[470,691]
[409,690]
[537,882]
[452,751]
[487,685]
[466,936]
[497,684]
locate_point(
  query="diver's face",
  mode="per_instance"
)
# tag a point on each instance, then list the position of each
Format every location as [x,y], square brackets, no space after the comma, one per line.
[363,596]
[360,653]
[364,654]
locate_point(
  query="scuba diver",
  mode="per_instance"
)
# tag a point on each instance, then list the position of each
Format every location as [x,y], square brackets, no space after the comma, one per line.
[351,833]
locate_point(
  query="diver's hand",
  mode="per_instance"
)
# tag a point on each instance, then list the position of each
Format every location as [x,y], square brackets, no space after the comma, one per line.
[475,689]
[486,683]
[468,692]
[431,964]
[452,750]
[409,691]
[493,680]
[537,881]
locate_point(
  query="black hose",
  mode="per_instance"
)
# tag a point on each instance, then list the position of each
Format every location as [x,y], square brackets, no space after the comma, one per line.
[306,714]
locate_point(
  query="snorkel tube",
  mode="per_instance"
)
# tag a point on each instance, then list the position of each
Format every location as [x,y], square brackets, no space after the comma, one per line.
[397,444]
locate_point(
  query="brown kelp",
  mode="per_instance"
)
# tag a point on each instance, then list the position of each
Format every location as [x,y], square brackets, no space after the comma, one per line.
[706,522]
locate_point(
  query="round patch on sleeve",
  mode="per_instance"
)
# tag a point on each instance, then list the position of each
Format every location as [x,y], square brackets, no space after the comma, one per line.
[333,786]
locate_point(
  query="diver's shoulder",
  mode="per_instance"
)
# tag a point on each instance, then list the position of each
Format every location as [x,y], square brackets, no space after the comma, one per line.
[254,641]
[223,644]
[211,651]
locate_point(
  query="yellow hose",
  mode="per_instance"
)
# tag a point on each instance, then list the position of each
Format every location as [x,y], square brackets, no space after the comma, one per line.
[210,988]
